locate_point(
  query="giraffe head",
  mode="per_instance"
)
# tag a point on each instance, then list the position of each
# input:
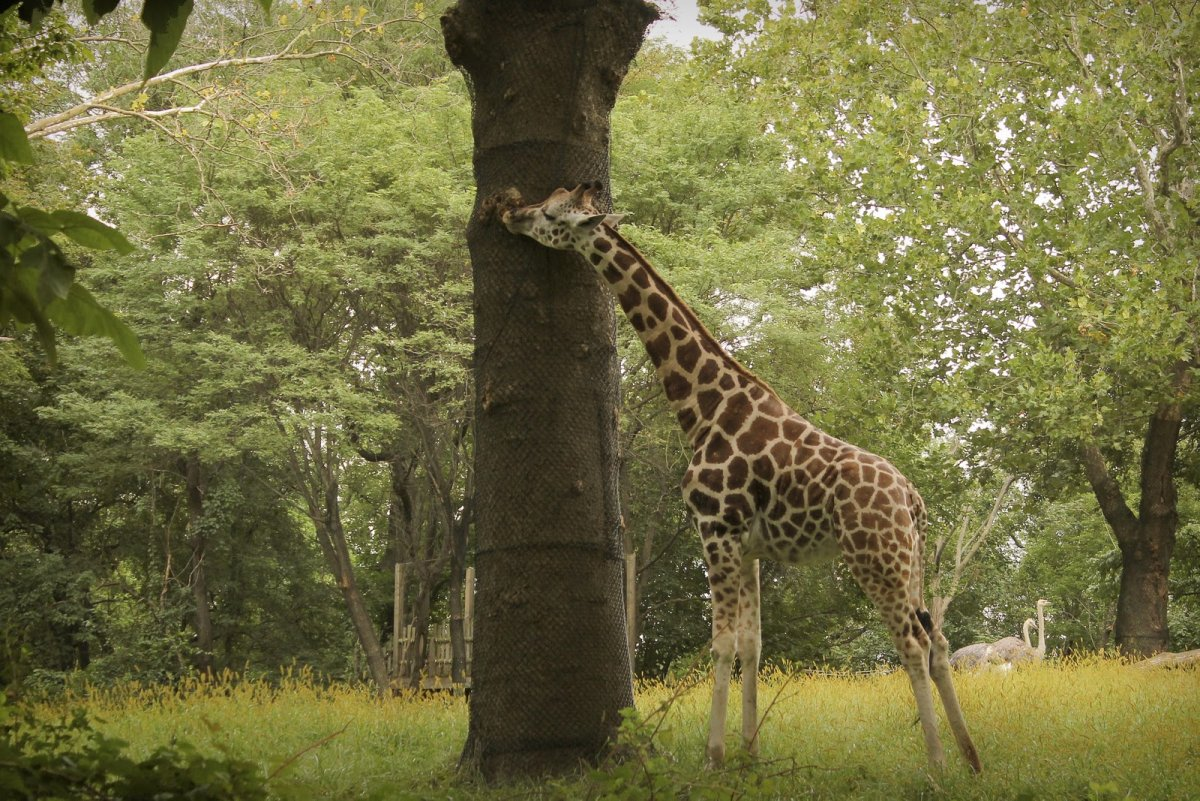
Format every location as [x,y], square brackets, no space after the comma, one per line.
[561,221]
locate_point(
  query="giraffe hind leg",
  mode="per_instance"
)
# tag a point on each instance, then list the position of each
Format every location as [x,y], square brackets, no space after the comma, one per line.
[914,646]
[940,672]
[939,668]
[904,620]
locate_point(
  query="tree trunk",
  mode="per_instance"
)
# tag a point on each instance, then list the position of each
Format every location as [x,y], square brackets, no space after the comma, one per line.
[416,654]
[202,620]
[550,671]
[1141,626]
[458,572]
[332,538]
[1147,539]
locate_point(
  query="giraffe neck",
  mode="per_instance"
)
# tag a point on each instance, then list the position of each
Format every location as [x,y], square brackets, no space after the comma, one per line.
[695,371]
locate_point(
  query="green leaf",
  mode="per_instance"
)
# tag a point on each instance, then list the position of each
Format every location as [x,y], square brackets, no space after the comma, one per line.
[42,222]
[265,5]
[90,232]
[11,230]
[95,9]
[34,11]
[80,314]
[166,20]
[14,145]
[39,256]
[26,310]
[57,276]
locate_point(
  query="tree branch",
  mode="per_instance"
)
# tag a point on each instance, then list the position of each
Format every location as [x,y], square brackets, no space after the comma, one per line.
[41,128]
[1182,135]
[966,545]
[79,113]
[115,112]
[1158,453]
[1107,491]
[1149,191]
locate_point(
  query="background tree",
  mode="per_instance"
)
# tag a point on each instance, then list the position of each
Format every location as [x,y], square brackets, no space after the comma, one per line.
[288,312]
[825,211]
[1015,192]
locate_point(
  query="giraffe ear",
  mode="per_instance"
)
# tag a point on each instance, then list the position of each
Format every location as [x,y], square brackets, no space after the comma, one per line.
[593,220]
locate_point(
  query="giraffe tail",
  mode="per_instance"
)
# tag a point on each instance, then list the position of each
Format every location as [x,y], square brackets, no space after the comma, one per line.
[917,588]
[920,524]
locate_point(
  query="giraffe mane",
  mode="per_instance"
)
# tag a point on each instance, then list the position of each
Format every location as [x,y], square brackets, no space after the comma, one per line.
[686,310]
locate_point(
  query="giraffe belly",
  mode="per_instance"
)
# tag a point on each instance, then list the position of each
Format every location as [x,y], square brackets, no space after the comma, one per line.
[790,543]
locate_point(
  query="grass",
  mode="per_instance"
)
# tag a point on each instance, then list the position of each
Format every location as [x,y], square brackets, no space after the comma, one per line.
[1095,729]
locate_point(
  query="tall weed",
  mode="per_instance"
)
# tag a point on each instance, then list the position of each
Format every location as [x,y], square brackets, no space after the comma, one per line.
[1088,729]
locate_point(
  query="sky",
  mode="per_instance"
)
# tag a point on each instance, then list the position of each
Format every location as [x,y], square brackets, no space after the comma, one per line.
[684,27]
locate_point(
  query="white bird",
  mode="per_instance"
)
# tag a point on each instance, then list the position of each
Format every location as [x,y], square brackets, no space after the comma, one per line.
[1006,652]
[1009,651]
[970,657]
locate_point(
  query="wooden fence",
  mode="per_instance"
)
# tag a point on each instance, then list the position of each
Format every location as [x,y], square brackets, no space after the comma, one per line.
[436,673]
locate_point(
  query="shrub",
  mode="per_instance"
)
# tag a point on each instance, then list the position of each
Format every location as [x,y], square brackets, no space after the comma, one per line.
[68,759]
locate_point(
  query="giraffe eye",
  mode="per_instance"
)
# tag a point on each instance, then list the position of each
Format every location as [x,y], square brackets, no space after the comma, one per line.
[550,217]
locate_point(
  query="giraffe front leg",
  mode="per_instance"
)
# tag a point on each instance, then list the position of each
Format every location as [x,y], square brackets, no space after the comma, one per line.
[749,649]
[724,579]
[722,651]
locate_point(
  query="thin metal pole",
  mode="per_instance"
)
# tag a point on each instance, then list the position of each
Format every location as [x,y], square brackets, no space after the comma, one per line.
[631,602]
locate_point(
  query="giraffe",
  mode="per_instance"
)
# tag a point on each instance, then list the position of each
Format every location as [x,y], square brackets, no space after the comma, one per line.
[763,482]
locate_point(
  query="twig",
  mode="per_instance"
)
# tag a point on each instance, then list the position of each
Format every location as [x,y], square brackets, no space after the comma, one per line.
[287,762]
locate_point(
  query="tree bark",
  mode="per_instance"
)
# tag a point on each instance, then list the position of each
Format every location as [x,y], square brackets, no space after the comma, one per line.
[314,468]
[550,671]
[332,537]
[416,654]
[1146,539]
[1141,625]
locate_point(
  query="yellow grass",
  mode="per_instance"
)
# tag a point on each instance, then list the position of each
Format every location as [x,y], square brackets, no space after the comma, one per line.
[1090,729]
[1095,728]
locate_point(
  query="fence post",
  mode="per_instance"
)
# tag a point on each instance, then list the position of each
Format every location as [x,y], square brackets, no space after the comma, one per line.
[469,605]
[631,603]
[397,617]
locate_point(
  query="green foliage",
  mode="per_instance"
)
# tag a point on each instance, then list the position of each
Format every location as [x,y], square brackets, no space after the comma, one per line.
[828,191]
[67,758]
[988,210]
[273,320]
[13,144]
[1007,217]
[26,58]
[165,20]
[37,280]
[45,603]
